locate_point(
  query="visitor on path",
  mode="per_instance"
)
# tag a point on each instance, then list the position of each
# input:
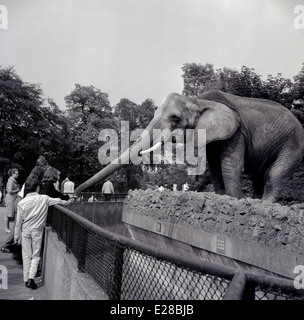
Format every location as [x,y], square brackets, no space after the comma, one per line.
[38,171]
[69,187]
[107,190]
[11,198]
[31,219]
[51,176]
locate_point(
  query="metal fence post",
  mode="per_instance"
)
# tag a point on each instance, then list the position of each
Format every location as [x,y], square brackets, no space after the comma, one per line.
[236,289]
[117,273]
[249,293]
[69,235]
[82,248]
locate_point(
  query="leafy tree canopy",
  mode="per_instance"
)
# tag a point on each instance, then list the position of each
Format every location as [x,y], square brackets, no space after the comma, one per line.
[28,125]
[200,78]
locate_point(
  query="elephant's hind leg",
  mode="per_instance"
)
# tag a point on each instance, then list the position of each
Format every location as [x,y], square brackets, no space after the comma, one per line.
[279,173]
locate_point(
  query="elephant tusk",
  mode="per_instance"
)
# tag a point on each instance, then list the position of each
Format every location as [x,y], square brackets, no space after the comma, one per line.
[156,146]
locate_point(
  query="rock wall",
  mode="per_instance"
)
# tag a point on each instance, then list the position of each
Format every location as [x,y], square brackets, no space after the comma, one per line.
[248,219]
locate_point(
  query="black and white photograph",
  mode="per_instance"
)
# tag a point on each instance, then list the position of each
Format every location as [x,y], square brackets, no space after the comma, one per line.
[152,153]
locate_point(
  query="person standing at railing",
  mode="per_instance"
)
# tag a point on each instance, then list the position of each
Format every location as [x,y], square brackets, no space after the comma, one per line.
[69,187]
[107,190]
[12,198]
[52,176]
[37,172]
[31,219]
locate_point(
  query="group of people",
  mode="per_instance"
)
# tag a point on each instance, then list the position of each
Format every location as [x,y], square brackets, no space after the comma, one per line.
[185,187]
[27,208]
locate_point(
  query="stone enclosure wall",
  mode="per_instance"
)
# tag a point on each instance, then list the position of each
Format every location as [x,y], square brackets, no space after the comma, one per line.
[247,219]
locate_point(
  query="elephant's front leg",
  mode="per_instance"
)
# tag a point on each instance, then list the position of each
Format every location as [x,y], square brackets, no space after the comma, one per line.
[214,163]
[232,163]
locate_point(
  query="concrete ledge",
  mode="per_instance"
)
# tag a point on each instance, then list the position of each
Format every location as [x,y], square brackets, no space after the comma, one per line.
[62,281]
[264,235]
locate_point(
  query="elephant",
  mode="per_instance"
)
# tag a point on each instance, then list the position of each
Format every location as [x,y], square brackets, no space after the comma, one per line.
[257,136]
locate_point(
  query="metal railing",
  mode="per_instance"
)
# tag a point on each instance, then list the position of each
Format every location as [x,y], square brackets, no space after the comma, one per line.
[98,196]
[127,269]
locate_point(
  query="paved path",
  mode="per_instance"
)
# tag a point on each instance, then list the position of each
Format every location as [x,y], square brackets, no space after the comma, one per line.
[16,289]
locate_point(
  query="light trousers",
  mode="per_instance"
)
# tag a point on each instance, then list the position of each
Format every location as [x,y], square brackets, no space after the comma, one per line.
[31,246]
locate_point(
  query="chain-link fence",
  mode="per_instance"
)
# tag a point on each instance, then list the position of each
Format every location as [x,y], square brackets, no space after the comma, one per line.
[129,270]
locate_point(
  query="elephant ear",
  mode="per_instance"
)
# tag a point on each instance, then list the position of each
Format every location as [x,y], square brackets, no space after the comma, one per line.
[220,122]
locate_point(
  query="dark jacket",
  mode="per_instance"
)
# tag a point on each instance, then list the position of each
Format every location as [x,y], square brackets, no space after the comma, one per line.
[49,189]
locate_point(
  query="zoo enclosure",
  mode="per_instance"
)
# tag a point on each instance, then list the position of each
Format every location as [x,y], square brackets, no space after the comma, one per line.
[127,269]
[116,197]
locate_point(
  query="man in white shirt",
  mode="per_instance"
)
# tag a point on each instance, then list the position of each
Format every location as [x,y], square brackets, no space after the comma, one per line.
[30,222]
[69,187]
[107,190]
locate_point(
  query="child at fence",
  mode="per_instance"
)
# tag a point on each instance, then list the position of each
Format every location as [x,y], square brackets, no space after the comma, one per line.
[31,219]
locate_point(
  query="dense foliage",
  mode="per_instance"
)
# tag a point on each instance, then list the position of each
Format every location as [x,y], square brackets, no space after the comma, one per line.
[31,125]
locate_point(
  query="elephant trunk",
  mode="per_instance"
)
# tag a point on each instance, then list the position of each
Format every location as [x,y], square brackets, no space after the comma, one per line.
[144,139]
[102,174]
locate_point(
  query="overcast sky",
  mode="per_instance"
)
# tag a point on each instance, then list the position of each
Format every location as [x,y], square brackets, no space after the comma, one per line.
[135,48]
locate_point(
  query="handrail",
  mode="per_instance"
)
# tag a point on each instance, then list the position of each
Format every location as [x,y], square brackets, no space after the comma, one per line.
[243,285]
[237,287]
[179,259]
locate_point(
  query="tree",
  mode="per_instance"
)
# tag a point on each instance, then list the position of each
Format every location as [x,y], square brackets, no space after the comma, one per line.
[298,95]
[126,110]
[227,77]
[247,83]
[84,101]
[298,87]
[278,89]
[89,111]
[146,112]
[59,150]
[27,125]
[199,79]
[138,116]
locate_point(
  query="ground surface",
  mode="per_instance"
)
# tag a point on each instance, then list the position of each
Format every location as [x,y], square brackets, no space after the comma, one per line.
[16,289]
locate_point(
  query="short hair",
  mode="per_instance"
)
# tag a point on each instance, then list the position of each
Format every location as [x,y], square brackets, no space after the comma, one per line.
[31,184]
[12,171]
[51,174]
